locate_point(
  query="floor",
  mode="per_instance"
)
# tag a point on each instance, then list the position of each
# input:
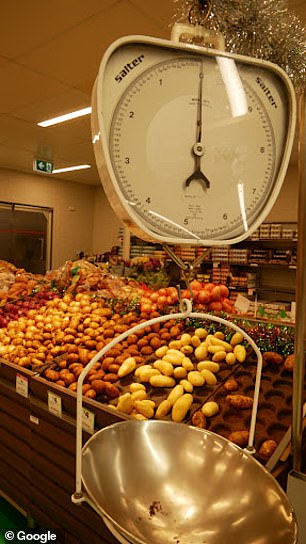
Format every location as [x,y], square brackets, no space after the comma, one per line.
[10,518]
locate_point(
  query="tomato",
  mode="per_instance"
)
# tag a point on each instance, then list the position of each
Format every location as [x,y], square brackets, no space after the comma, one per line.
[203,297]
[224,291]
[195,285]
[185,293]
[215,306]
[216,293]
[209,286]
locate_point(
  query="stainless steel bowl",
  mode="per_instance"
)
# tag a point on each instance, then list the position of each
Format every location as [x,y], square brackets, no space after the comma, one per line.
[159,482]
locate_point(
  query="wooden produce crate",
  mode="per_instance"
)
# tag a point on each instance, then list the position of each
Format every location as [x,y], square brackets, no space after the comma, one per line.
[15,445]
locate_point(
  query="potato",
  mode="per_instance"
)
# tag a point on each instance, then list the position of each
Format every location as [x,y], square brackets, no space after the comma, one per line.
[201,333]
[139,395]
[174,357]
[241,402]
[195,341]
[215,348]
[175,394]
[188,387]
[267,448]
[162,381]
[237,338]
[225,345]
[187,364]
[230,358]
[187,349]
[147,373]
[164,367]
[195,378]
[145,407]
[219,356]
[220,335]
[127,367]
[231,385]
[136,387]
[198,419]
[210,408]
[201,352]
[141,369]
[180,372]
[209,377]
[125,403]
[181,407]
[98,386]
[160,352]
[185,339]
[208,365]
[240,438]
[240,353]
[163,409]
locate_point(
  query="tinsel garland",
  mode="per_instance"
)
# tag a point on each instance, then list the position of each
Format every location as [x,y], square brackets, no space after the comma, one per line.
[267,336]
[264,29]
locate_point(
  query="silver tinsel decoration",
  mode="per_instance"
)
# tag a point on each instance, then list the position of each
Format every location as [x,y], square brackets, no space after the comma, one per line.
[263,29]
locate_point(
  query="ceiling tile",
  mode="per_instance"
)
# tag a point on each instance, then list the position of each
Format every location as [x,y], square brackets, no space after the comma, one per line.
[22,87]
[33,23]
[74,57]
[56,105]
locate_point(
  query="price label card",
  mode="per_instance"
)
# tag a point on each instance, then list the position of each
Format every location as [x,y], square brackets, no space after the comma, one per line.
[22,385]
[242,304]
[88,421]
[54,404]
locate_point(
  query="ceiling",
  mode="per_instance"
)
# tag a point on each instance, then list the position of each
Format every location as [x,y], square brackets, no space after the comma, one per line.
[49,58]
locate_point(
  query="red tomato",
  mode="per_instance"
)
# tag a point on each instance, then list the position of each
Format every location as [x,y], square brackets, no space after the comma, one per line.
[203,296]
[227,307]
[224,291]
[195,285]
[185,293]
[216,293]
[209,286]
[215,306]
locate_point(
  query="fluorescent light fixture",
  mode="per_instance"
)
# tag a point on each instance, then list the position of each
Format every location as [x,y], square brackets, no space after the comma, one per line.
[66,117]
[71,168]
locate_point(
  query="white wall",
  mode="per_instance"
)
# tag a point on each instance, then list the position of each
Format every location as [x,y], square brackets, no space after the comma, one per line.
[73,205]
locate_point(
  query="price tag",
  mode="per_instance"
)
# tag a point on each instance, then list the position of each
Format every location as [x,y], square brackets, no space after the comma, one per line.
[88,421]
[54,404]
[242,304]
[22,385]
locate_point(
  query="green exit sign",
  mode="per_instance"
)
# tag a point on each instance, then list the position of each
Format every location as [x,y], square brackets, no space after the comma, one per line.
[43,166]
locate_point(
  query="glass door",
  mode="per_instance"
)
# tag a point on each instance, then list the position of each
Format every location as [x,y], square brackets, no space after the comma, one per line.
[26,236]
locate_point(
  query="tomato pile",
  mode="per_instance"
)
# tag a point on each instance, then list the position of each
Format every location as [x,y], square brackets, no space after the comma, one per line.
[205,297]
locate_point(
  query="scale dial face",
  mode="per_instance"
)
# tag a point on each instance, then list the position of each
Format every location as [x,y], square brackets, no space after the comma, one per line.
[194,143]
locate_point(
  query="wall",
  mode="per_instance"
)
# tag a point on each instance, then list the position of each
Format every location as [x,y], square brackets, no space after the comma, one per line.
[286,205]
[73,205]
[106,224]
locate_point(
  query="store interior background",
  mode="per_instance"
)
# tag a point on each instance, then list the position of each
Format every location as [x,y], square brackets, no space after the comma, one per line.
[49,58]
